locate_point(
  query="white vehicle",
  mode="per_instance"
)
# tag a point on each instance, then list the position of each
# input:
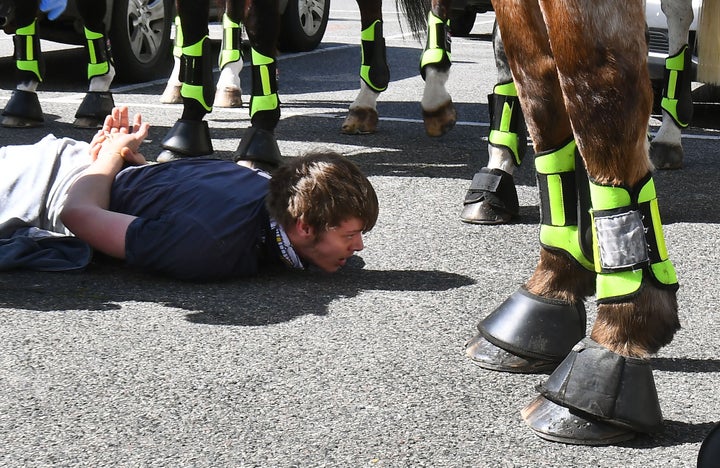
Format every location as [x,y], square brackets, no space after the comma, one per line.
[658,38]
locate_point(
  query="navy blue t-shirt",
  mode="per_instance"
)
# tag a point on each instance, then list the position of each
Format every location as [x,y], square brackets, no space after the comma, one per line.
[197,218]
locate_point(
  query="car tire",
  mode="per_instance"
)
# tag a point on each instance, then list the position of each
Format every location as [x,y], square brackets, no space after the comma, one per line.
[140,39]
[303,25]
[462,22]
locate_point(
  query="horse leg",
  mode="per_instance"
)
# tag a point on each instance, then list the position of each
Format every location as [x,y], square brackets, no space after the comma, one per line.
[438,111]
[537,326]
[190,135]
[374,72]
[23,109]
[604,392]
[229,92]
[492,196]
[171,93]
[258,147]
[666,150]
[98,102]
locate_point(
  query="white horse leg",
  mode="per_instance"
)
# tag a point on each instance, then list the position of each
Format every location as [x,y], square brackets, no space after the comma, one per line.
[171,94]
[228,92]
[439,112]
[666,148]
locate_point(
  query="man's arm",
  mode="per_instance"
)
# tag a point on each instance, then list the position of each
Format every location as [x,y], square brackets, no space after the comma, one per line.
[85,211]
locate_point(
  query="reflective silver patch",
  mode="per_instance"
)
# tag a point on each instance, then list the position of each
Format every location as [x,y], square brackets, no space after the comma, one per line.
[621,241]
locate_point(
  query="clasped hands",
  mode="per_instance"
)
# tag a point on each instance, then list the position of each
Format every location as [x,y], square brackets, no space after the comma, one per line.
[117,138]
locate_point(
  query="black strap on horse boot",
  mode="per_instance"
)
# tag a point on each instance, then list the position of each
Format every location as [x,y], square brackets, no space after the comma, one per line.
[597,385]
[374,69]
[260,149]
[29,62]
[438,45]
[677,94]
[491,198]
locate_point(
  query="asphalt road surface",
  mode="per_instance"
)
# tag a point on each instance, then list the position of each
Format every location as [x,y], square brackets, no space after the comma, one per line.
[110,367]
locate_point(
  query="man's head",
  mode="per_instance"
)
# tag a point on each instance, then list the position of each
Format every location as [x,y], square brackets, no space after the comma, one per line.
[325,203]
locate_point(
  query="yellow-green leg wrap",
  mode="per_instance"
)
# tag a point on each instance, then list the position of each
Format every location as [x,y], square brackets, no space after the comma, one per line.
[231,50]
[677,99]
[559,203]
[374,70]
[628,240]
[178,42]
[196,74]
[264,84]
[507,124]
[437,47]
[98,57]
[28,57]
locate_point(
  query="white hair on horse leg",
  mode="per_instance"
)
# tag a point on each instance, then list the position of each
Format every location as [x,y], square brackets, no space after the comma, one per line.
[230,75]
[366,98]
[435,95]
[709,43]
[102,83]
[500,158]
[30,85]
[679,14]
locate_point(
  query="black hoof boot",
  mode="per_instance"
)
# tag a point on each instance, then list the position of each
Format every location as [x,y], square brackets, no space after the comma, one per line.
[527,334]
[596,397]
[96,105]
[259,149]
[491,198]
[22,110]
[186,139]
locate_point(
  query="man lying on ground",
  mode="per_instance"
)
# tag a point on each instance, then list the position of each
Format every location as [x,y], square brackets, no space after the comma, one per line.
[194,219]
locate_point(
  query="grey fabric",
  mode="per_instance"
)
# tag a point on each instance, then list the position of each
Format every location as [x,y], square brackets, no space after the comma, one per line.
[621,238]
[34,180]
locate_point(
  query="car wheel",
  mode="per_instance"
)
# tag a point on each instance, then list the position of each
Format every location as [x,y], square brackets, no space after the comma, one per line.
[462,22]
[303,25]
[140,39]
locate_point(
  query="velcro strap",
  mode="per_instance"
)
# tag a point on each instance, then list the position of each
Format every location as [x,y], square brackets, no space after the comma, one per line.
[558,195]
[485,182]
[621,240]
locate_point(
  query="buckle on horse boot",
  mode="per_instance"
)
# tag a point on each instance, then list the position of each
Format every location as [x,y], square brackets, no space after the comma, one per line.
[527,334]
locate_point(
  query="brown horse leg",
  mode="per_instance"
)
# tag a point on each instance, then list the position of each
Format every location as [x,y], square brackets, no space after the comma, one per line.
[374,73]
[538,326]
[604,392]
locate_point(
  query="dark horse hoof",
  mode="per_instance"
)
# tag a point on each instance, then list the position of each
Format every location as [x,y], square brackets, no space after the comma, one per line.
[665,156]
[259,149]
[491,198]
[556,423]
[22,110]
[93,109]
[488,356]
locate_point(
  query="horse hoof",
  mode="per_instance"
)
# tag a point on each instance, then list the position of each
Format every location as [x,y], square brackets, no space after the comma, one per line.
[491,198]
[171,95]
[488,356]
[360,121]
[665,156]
[556,423]
[440,121]
[228,97]
[13,121]
[88,122]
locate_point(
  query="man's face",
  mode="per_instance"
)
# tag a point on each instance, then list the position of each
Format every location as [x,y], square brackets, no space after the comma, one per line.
[333,247]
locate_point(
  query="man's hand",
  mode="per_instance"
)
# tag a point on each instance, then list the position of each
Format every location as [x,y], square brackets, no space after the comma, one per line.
[117,138]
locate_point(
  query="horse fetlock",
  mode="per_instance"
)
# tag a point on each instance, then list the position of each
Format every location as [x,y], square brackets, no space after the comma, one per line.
[437,48]
[628,241]
[559,276]
[374,69]
[507,125]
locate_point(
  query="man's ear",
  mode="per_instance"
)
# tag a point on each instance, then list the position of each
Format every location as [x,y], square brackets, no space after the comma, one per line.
[304,229]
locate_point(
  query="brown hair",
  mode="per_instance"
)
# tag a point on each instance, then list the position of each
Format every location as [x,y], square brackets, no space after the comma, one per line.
[323,189]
